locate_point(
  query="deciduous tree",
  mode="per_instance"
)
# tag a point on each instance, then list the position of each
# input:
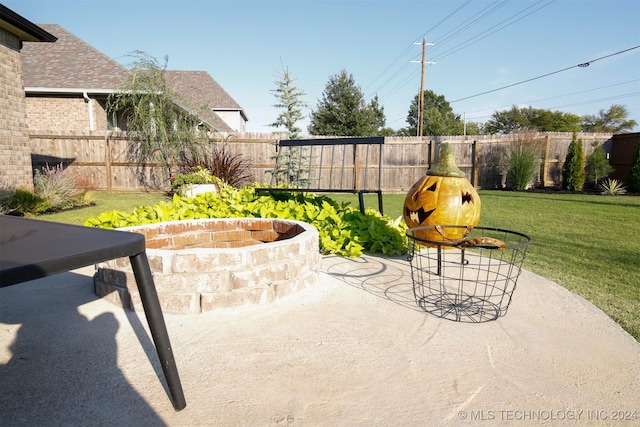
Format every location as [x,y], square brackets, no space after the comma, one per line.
[521,119]
[614,120]
[161,129]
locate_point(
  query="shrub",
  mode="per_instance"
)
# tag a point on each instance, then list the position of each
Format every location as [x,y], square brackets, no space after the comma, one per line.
[233,169]
[54,190]
[23,202]
[524,160]
[199,176]
[6,194]
[597,165]
[634,171]
[57,186]
[612,187]
[573,174]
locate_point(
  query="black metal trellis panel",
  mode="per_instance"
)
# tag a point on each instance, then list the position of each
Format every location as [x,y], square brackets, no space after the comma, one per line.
[344,172]
[467,280]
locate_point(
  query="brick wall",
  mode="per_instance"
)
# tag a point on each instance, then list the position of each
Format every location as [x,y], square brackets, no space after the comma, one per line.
[55,114]
[15,154]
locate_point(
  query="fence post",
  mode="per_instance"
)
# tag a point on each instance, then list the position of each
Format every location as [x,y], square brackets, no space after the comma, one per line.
[545,164]
[475,162]
[107,161]
[432,154]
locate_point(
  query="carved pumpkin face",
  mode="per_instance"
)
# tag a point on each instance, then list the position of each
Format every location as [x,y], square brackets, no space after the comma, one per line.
[441,200]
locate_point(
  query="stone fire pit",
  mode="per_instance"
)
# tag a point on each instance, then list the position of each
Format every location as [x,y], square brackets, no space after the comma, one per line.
[201,265]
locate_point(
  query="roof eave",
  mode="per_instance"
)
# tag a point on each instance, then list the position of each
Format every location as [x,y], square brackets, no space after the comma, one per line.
[56,90]
[240,110]
[23,28]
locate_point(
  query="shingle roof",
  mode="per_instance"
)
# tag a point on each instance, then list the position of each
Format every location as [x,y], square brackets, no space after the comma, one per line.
[68,63]
[202,94]
[199,88]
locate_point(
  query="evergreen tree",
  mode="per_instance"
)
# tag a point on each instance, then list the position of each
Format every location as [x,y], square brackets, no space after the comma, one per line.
[633,181]
[597,165]
[573,174]
[289,100]
[343,111]
[438,117]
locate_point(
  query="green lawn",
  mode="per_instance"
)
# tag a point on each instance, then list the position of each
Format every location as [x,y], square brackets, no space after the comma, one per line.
[104,201]
[590,244]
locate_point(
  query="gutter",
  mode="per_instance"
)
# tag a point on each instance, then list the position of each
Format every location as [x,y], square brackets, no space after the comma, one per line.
[89,101]
[67,90]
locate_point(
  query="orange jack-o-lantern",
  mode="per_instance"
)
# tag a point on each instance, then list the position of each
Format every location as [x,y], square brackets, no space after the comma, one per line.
[443,197]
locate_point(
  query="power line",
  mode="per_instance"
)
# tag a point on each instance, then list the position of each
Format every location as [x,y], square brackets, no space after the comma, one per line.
[474,20]
[408,48]
[557,96]
[476,38]
[581,65]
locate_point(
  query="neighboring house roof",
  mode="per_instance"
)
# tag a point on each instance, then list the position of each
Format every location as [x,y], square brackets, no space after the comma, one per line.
[199,90]
[72,66]
[23,28]
[69,65]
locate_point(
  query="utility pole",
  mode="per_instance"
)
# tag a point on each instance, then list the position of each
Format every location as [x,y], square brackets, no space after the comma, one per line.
[421,97]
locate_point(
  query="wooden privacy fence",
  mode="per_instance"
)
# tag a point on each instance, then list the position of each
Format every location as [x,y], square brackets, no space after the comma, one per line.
[102,161]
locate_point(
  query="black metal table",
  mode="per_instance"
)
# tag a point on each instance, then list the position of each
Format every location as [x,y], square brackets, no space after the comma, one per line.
[31,249]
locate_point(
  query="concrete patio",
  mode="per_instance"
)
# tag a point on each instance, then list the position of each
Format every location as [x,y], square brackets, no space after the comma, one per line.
[354,350]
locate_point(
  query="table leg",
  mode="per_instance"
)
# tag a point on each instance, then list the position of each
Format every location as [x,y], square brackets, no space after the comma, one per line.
[151,304]
[361,201]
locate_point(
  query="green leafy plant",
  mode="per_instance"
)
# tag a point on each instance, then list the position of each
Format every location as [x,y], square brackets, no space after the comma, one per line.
[6,194]
[612,187]
[199,176]
[24,201]
[342,229]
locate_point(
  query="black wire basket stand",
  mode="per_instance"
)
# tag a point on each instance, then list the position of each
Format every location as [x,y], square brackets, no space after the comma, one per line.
[470,279]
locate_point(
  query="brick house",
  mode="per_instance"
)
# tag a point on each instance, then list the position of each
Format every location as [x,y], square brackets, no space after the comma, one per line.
[15,160]
[67,86]
[216,106]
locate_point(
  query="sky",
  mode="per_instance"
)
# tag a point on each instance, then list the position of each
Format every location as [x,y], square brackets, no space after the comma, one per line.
[487,55]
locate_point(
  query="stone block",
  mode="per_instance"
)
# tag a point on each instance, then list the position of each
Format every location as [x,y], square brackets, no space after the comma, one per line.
[200,282]
[236,298]
[260,276]
[211,261]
